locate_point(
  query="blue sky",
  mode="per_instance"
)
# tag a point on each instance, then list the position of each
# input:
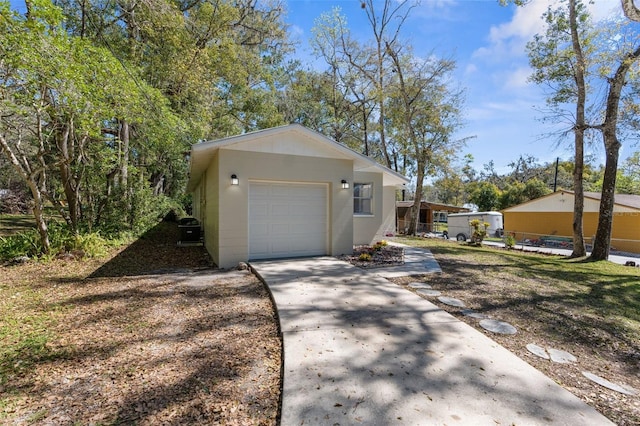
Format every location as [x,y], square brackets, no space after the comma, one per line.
[488,43]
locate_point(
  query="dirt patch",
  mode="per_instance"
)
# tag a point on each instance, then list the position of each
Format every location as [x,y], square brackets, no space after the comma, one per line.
[151,336]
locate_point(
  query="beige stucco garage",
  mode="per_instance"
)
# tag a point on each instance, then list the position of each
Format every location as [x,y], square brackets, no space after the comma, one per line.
[279,193]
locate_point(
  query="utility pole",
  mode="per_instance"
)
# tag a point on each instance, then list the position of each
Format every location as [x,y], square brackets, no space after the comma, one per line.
[555,178]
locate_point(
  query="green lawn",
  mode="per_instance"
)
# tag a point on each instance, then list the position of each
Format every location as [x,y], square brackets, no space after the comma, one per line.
[591,309]
[605,288]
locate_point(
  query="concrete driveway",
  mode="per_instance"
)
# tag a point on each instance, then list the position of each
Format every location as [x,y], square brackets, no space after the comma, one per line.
[359,349]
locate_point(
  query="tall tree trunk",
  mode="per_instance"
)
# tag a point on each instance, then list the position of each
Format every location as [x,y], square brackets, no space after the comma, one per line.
[38,214]
[630,10]
[365,128]
[124,158]
[579,249]
[124,135]
[414,214]
[602,243]
[69,183]
[381,118]
[391,10]
[36,181]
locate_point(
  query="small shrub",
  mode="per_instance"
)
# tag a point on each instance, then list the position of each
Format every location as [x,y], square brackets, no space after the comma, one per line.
[479,231]
[378,246]
[91,245]
[510,241]
[61,240]
[365,257]
[25,243]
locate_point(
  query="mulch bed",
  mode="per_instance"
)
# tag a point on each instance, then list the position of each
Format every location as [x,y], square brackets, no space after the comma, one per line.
[384,256]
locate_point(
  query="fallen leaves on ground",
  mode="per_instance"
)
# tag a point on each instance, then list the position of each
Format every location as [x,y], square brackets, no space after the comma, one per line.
[152,336]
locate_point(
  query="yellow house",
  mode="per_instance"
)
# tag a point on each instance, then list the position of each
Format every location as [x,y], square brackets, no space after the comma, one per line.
[288,192]
[552,215]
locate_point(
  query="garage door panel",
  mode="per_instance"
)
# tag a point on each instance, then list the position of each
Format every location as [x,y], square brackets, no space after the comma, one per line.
[261,247]
[280,210]
[310,229]
[287,220]
[304,210]
[280,190]
[261,190]
[260,230]
[279,228]
[259,210]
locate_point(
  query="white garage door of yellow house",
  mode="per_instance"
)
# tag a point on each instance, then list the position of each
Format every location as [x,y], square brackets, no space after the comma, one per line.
[287,220]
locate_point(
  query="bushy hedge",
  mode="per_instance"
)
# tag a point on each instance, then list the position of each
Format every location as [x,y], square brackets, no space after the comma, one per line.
[116,229]
[62,240]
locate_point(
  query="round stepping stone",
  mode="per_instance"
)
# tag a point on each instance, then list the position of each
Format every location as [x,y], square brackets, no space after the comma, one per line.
[537,351]
[417,285]
[561,357]
[429,293]
[609,385]
[496,326]
[451,301]
[473,314]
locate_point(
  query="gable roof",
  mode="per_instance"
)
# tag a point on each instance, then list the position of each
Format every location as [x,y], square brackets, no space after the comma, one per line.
[623,200]
[628,200]
[315,144]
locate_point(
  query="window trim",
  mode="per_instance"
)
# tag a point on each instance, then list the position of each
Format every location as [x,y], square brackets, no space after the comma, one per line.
[371,210]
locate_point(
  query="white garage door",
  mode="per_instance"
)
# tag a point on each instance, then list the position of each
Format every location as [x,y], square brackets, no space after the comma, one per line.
[287,220]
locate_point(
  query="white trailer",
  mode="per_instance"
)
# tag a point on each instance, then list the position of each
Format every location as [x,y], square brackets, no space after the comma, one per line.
[460,228]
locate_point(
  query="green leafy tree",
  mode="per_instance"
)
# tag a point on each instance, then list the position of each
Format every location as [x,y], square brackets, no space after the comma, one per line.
[59,93]
[485,195]
[629,179]
[560,59]
[620,54]
[424,114]
[374,64]
[518,192]
[341,96]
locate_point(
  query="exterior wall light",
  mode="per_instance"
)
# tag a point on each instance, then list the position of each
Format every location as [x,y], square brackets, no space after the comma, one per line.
[345,184]
[234,180]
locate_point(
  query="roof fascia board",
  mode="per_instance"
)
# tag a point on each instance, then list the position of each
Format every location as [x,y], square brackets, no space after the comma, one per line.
[361,162]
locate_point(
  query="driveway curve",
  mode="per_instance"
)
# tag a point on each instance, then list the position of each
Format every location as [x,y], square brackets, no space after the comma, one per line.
[359,349]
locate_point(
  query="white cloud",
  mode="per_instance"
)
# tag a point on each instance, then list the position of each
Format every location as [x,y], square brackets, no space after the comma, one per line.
[518,78]
[525,23]
[603,9]
[442,9]
[506,42]
[492,110]
[436,4]
[296,31]
[470,69]
[509,39]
